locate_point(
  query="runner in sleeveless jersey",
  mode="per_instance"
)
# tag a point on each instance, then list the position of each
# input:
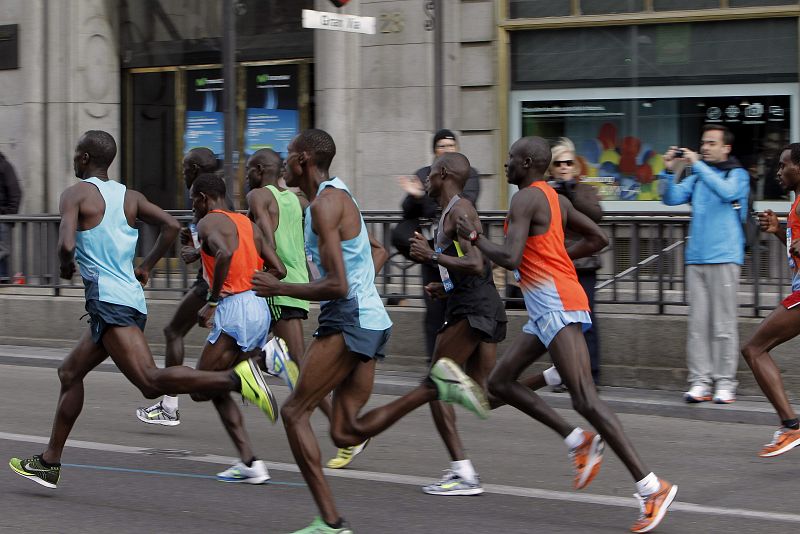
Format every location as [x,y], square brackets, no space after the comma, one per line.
[557,311]
[165,412]
[98,218]
[231,248]
[475,317]
[784,322]
[353,328]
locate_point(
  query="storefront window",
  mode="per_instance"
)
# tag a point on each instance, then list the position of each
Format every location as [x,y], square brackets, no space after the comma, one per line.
[748,3]
[620,142]
[539,8]
[671,5]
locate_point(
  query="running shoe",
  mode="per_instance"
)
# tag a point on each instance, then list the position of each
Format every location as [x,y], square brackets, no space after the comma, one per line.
[654,506]
[456,387]
[239,472]
[346,455]
[157,415]
[784,440]
[278,362]
[452,484]
[697,394]
[32,469]
[318,526]
[724,396]
[587,458]
[255,389]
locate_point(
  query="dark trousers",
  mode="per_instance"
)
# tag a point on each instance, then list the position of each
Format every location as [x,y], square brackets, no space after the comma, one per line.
[5,252]
[434,309]
[588,280]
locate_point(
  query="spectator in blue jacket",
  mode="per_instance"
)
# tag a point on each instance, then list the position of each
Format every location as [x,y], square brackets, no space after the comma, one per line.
[718,188]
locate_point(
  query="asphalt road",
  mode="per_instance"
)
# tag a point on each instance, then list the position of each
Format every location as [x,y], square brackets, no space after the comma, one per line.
[122,476]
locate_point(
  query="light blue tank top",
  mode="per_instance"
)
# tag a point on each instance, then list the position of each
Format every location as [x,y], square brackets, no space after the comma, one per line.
[105,253]
[358,265]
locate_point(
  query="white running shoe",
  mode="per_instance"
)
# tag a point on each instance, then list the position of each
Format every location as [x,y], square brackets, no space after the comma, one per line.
[452,484]
[696,394]
[278,362]
[239,472]
[724,396]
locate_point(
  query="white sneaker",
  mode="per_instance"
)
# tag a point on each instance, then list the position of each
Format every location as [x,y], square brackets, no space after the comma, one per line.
[724,396]
[239,472]
[697,394]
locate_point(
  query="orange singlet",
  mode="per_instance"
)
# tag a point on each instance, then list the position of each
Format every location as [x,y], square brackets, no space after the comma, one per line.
[546,274]
[244,262]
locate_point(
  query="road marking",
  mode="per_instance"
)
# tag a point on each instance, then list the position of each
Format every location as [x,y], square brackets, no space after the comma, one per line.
[171,474]
[391,478]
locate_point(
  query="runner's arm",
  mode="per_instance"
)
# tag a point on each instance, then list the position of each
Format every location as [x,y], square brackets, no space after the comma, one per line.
[379,254]
[258,212]
[509,254]
[594,239]
[169,228]
[272,261]
[769,223]
[69,209]
[213,242]
[472,260]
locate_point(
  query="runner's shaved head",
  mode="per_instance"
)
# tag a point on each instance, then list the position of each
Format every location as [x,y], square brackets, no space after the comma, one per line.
[203,158]
[100,146]
[266,155]
[536,148]
[457,166]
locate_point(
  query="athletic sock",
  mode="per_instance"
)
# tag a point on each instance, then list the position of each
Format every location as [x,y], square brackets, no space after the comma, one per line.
[338,524]
[465,470]
[551,376]
[249,463]
[794,424]
[648,485]
[575,438]
[170,404]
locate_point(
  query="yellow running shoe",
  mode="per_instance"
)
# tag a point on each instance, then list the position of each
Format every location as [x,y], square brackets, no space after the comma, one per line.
[255,389]
[346,455]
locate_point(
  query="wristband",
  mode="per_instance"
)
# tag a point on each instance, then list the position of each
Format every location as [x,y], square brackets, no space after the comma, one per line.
[212,302]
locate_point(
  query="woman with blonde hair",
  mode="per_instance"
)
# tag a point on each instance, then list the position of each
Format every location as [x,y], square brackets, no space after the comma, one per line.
[565,179]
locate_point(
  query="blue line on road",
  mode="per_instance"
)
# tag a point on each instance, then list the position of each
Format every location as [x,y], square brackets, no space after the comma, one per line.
[171,474]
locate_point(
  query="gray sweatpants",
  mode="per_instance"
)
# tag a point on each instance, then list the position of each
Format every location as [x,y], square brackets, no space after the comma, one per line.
[712,342]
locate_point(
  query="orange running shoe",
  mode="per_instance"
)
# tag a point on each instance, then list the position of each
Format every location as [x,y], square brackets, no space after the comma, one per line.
[587,458]
[654,506]
[784,440]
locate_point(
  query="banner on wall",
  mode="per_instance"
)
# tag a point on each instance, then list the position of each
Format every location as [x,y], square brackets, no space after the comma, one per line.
[205,121]
[272,118]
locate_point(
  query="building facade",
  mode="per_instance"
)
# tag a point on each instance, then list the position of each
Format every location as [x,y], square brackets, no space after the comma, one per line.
[624,79]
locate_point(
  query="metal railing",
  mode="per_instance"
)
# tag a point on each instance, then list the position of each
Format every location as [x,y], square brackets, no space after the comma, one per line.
[642,268]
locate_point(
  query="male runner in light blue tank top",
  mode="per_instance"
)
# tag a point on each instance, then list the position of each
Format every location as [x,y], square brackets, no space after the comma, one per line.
[353,328]
[98,218]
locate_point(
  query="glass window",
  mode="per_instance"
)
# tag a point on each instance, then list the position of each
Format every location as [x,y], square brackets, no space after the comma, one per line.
[539,8]
[740,51]
[620,142]
[748,3]
[670,5]
[599,7]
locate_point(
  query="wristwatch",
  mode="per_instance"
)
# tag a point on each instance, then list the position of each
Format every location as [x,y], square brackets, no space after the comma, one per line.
[435,258]
[474,236]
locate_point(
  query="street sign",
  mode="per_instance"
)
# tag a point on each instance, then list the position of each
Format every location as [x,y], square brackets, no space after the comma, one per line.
[321,20]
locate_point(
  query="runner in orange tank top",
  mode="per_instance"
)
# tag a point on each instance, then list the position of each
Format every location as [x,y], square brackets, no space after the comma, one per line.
[557,310]
[232,248]
[784,322]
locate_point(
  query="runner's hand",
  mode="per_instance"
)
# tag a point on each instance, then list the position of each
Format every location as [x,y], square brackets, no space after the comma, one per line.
[794,248]
[411,185]
[768,222]
[421,252]
[265,284]
[466,228]
[185,236]
[67,270]
[189,254]
[205,317]
[435,290]
[142,275]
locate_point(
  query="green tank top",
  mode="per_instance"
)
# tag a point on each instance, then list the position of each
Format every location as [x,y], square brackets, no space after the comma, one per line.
[290,244]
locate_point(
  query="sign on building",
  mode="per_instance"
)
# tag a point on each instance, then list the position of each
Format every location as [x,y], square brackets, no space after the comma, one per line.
[321,20]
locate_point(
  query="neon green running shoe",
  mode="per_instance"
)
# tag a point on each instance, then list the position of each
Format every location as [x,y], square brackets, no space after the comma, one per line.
[346,455]
[318,526]
[32,469]
[456,387]
[255,389]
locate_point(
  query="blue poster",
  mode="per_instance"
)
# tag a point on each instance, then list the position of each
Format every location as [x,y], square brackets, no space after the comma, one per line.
[270,128]
[205,129]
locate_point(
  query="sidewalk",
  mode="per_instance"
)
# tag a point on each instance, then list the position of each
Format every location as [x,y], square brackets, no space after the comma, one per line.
[748,410]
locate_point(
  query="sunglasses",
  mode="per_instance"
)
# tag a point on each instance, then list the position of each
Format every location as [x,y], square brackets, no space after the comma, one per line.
[567,162]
